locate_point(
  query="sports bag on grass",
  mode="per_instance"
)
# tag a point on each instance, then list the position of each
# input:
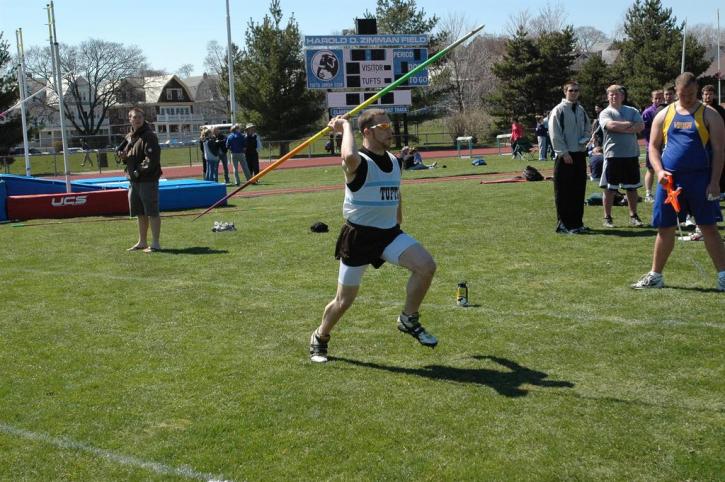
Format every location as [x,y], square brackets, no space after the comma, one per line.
[532,174]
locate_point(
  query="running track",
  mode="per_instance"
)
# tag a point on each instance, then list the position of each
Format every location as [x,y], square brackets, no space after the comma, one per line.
[194,171]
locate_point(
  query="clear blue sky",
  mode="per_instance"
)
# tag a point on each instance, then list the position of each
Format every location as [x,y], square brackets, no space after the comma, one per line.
[175,32]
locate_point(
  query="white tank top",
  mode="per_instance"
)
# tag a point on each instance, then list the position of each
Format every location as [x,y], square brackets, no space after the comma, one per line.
[376,202]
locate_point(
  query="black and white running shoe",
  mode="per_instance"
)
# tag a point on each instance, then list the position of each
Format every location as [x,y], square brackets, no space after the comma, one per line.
[318,347]
[409,324]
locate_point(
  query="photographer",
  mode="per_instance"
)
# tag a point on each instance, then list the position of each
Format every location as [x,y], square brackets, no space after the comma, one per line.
[141,154]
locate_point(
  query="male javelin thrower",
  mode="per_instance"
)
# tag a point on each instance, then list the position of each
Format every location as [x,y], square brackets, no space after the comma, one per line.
[371,233]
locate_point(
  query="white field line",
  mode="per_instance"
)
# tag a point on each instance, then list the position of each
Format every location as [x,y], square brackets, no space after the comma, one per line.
[68,444]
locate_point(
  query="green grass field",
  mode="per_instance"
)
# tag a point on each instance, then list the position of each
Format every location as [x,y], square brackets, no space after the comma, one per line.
[192,364]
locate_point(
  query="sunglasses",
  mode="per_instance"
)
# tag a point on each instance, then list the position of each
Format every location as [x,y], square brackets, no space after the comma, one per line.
[572,90]
[382,125]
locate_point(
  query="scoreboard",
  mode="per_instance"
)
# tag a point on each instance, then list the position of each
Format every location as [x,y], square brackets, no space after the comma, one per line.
[363,64]
[367,68]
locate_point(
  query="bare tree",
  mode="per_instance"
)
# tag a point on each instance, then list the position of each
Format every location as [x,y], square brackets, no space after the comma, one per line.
[185,70]
[706,35]
[147,71]
[468,68]
[92,73]
[216,58]
[519,20]
[551,18]
[587,37]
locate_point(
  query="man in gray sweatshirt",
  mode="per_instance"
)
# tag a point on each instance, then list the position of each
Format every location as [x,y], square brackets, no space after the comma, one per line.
[570,129]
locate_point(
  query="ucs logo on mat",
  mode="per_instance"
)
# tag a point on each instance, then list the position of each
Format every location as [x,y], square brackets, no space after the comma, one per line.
[68,201]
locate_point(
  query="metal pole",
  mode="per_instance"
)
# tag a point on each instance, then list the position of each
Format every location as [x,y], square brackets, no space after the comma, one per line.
[55,55]
[719,71]
[21,84]
[684,37]
[230,70]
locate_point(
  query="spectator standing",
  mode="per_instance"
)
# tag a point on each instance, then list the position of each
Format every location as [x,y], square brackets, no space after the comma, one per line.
[549,147]
[86,153]
[668,93]
[222,151]
[253,144]
[517,135]
[542,133]
[597,133]
[708,98]
[211,154]
[648,116]
[236,144]
[142,157]
[620,124]
[202,138]
[687,143]
[569,128]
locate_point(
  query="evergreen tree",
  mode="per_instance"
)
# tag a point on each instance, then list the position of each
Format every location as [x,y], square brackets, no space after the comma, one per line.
[402,17]
[594,77]
[272,88]
[650,55]
[519,72]
[532,72]
[558,52]
[11,131]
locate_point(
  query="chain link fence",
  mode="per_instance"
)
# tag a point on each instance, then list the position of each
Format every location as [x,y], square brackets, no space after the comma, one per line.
[100,153]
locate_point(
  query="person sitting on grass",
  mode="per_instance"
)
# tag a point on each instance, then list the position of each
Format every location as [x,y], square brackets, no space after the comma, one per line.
[412,159]
[596,162]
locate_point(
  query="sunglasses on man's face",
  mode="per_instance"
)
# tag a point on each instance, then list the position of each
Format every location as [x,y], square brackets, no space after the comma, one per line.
[572,90]
[382,125]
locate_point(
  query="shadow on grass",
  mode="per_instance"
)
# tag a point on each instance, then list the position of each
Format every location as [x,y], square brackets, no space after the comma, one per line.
[506,383]
[625,233]
[692,288]
[194,250]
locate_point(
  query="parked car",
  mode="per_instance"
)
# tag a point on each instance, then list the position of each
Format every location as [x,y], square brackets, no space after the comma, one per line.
[171,143]
[19,151]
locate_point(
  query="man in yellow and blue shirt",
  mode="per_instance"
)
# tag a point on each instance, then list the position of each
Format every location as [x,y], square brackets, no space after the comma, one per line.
[693,136]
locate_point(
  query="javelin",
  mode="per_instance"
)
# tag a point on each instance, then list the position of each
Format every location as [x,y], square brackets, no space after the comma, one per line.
[351,113]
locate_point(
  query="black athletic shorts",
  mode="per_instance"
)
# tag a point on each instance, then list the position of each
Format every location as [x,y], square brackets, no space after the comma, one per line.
[620,172]
[359,245]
